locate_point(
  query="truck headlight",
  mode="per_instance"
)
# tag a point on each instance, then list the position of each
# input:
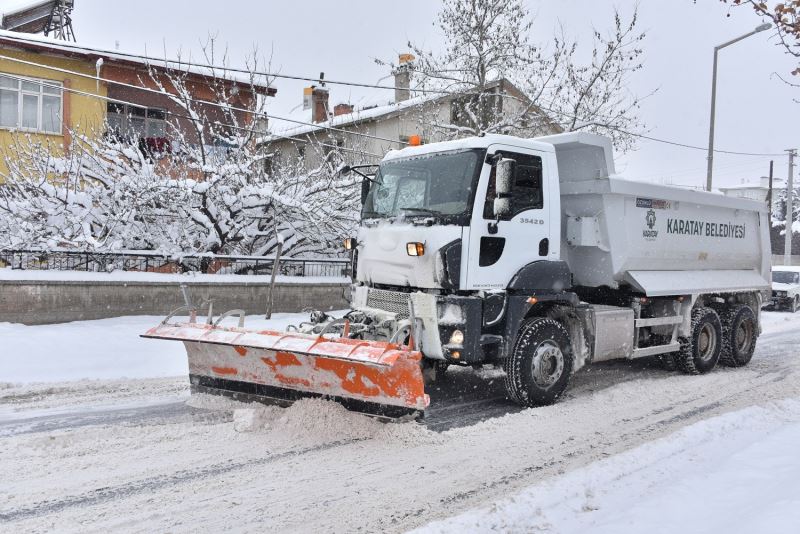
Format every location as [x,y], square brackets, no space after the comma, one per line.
[457,337]
[415,249]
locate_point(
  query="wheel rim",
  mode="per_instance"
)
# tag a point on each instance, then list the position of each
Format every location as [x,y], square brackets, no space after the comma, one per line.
[744,337]
[547,364]
[707,342]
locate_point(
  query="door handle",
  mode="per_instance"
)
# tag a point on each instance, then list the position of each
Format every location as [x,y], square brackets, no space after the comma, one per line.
[544,247]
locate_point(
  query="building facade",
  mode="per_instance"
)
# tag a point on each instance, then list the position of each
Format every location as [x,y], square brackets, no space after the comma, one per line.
[49,91]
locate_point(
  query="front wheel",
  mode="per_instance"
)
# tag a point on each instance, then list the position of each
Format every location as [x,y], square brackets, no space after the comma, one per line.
[539,367]
[795,305]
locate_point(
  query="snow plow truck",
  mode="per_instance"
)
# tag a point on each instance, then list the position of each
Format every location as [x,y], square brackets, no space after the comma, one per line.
[530,254]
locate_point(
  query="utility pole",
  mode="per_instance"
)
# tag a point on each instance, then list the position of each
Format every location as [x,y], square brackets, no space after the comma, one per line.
[769,192]
[787,244]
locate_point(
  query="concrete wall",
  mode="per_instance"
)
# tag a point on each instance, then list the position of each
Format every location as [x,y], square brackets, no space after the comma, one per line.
[46,302]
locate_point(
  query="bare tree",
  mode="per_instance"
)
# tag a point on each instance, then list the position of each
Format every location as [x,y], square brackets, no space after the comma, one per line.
[785,16]
[205,191]
[490,40]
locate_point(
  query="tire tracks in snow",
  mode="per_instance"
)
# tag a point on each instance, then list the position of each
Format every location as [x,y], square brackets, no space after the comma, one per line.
[102,495]
[680,400]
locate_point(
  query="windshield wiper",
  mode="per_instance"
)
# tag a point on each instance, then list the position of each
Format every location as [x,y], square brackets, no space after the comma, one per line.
[423,210]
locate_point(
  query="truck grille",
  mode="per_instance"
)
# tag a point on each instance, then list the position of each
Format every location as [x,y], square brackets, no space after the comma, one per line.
[390,301]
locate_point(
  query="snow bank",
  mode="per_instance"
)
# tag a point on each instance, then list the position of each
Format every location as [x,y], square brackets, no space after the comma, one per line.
[102,349]
[733,473]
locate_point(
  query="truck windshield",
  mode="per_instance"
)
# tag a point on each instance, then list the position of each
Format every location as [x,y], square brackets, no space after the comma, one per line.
[785,277]
[428,185]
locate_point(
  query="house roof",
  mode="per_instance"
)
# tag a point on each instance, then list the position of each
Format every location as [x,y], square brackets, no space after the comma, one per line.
[38,43]
[777,183]
[362,114]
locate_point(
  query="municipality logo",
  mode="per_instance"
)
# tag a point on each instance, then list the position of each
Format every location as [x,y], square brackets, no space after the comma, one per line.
[650,220]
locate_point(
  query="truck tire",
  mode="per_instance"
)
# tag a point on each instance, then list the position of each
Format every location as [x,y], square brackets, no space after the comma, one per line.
[793,307]
[539,367]
[699,353]
[739,335]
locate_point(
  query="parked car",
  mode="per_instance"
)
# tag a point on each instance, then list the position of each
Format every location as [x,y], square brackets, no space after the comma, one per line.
[786,288]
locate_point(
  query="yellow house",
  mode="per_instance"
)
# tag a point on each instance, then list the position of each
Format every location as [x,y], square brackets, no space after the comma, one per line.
[33,101]
[49,88]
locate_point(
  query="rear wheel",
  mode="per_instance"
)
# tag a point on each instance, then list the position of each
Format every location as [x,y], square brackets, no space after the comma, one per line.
[739,335]
[700,352]
[538,369]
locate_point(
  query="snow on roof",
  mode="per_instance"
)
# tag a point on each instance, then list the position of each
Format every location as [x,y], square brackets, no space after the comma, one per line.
[359,115]
[761,183]
[24,40]
[467,143]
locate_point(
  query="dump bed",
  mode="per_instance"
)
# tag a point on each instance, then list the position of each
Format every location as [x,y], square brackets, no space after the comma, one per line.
[657,239]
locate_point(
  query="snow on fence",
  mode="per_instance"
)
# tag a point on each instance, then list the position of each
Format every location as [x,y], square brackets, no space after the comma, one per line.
[72,260]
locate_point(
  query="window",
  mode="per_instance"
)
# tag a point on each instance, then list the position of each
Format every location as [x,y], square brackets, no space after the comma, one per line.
[30,105]
[527,193]
[429,185]
[136,122]
[785,277]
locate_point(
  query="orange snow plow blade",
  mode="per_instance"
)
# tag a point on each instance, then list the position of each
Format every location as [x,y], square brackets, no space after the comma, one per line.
[375,377]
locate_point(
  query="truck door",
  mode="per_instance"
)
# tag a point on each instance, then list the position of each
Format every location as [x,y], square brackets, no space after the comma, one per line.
[498,249]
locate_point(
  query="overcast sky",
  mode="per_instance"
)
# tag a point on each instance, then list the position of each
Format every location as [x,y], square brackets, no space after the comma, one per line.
[755,111]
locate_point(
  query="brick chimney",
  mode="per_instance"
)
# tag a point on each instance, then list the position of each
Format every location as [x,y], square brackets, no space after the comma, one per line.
[342,109]
[319,104]
[402,78]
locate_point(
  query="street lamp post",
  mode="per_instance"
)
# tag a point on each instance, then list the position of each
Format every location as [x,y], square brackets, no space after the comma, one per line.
[760,28]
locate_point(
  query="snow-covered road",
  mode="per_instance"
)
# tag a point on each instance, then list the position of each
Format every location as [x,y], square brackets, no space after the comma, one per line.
[133,454]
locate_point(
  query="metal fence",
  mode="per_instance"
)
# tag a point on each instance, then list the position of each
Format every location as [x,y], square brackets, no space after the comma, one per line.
[71,260]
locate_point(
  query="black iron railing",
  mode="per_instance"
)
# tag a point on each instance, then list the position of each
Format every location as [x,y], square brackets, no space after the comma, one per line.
[72,260]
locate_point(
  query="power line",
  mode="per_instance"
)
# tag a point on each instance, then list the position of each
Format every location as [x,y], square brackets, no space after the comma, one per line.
[166,62]
[197,100]
[182,116]
[684,145]
[212,67]
[179,62]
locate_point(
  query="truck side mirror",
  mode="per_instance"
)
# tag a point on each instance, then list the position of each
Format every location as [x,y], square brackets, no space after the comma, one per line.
[504,184]
[365,183]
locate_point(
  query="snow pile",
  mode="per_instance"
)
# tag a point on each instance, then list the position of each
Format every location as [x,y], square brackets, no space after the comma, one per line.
[313,420]
[733,473]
